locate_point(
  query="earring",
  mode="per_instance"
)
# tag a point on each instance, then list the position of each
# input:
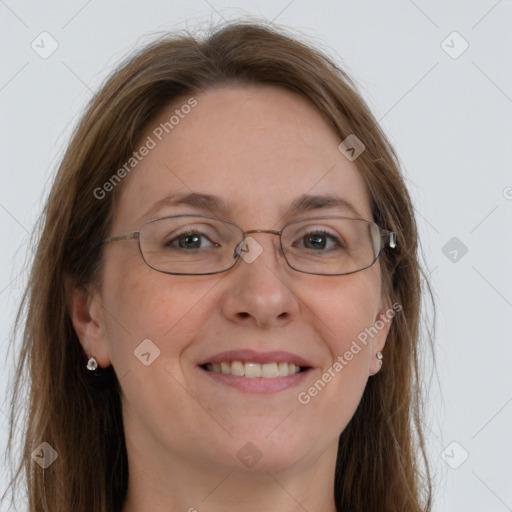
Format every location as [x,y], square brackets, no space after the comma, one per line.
[99,377]
[379,357]
[92,364]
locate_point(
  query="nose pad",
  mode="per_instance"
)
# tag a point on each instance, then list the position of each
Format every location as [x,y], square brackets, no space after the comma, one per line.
[238,249]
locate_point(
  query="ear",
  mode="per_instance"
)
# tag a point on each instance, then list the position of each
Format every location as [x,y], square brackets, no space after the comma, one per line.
[382,325]
[87,318]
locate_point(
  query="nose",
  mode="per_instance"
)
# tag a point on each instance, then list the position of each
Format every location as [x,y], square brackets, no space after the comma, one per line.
[260,290]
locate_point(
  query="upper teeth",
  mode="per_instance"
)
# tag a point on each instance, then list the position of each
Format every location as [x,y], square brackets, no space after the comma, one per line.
[267,370]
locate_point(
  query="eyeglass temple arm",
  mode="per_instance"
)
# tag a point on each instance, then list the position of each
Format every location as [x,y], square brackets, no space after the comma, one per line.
[127,236]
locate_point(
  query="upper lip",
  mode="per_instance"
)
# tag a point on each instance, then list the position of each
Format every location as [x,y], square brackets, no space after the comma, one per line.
[251,356]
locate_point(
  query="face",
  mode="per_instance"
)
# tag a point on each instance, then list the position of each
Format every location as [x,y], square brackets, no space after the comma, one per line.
[256,149]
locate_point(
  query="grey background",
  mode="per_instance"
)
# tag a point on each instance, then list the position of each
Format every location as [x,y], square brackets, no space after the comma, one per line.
[447,113]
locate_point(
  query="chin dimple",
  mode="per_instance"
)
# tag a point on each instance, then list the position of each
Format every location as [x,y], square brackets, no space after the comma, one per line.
[253,370]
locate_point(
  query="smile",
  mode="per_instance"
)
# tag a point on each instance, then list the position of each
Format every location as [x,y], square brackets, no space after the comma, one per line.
[254,370]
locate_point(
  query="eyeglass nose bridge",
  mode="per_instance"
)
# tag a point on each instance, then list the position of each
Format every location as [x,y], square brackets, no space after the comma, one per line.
[239,249]
[273,231]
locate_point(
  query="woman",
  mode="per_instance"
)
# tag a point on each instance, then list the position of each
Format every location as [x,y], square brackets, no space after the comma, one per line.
[223,310]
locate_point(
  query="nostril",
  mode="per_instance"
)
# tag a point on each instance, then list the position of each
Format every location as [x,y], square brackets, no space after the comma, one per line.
[243,314]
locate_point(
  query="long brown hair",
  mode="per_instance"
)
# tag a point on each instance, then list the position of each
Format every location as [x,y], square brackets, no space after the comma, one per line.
[382,464]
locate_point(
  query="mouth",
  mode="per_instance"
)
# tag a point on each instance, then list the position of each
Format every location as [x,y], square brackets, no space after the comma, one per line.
[256,372]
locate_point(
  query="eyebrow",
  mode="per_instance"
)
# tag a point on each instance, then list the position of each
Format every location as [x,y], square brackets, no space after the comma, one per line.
[308,202]
[193,199]
[217,205]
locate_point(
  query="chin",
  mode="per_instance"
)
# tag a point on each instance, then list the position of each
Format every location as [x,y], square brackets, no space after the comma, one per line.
[268,449]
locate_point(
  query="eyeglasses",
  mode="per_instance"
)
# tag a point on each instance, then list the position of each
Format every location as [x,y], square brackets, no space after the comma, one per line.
[200,245]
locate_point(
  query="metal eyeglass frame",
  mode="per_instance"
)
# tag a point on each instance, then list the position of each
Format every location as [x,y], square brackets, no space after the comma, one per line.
[390,241]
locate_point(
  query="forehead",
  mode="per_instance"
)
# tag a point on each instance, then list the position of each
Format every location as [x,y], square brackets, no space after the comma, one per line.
[257,148]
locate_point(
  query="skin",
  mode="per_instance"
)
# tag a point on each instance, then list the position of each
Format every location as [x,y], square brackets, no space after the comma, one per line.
[257,147]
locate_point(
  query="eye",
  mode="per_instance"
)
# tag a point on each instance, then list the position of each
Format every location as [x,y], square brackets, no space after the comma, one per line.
[320,240]
[190,240]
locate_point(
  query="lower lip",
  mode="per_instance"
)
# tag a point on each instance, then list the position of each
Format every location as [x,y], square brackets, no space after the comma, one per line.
[258,384]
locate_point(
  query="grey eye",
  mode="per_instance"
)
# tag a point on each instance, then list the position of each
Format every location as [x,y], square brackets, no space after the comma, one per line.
[192,240]
[318,240]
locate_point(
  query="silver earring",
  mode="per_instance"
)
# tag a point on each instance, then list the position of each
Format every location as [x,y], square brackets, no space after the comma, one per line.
[92,364]
[379,357]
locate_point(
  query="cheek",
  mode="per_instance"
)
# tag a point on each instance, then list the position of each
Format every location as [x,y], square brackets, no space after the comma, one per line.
[343,313]
[154,319]
[345,307]
[142,304]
